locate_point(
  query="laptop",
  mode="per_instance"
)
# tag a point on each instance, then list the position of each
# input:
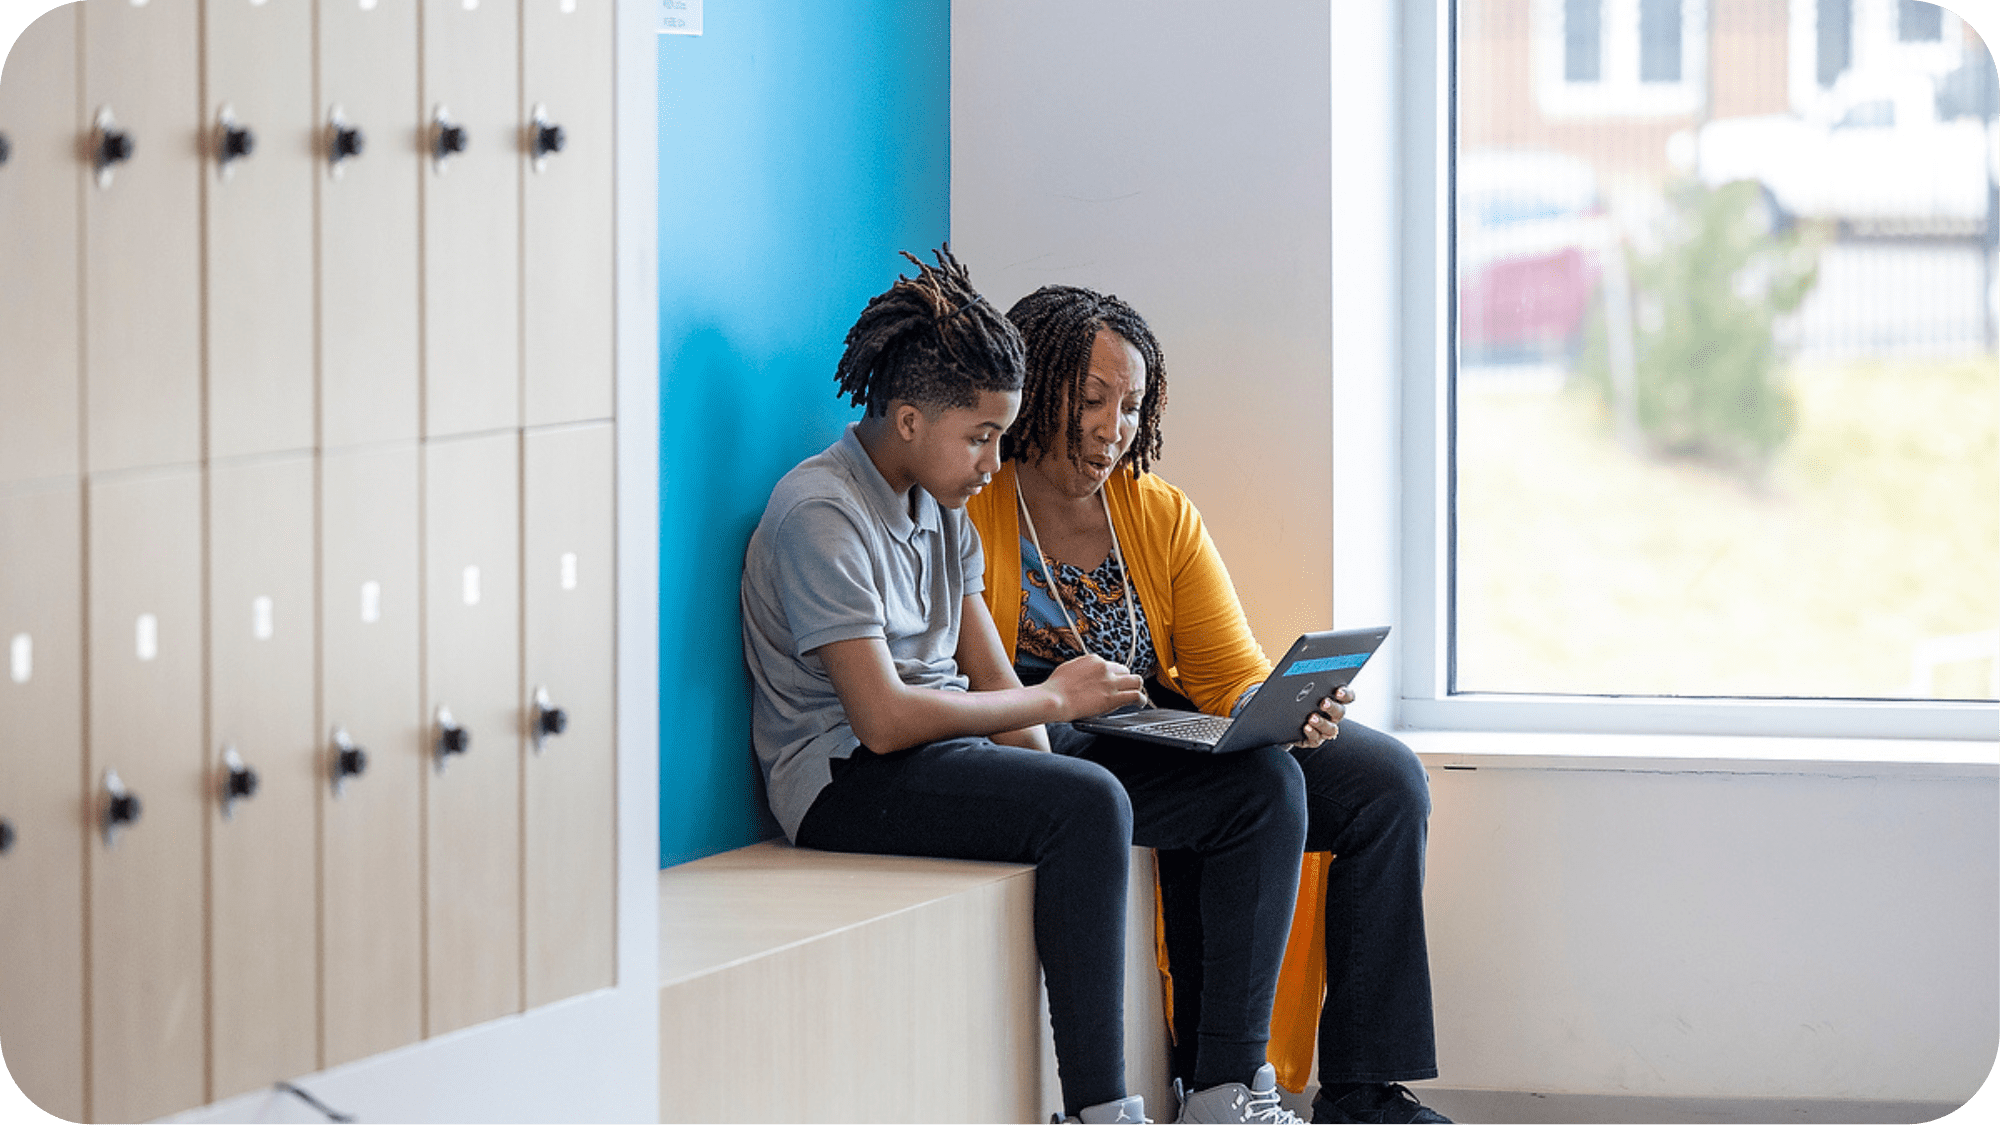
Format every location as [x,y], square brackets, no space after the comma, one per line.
[1310,671]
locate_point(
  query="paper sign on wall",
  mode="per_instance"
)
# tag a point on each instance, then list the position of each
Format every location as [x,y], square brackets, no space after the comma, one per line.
[680,17]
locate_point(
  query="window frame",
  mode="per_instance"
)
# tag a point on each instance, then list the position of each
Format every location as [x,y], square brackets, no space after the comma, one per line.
[1413,580]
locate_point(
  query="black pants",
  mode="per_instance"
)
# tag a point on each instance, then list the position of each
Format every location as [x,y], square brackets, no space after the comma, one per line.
[1367,801]
[1075,820]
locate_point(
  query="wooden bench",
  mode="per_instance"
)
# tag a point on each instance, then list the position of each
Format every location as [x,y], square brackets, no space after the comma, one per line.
[802,986]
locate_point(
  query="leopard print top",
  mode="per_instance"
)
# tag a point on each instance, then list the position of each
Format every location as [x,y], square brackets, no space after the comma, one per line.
[1096,600]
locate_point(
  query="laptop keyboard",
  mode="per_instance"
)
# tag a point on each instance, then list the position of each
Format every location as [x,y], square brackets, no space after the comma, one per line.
[1205,729]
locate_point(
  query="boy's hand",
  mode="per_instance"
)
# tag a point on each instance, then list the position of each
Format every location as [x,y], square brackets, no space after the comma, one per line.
[1090,685]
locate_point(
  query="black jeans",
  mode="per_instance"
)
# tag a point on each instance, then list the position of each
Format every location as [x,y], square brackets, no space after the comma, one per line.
[1368,801]
[1075,820]
[1241,818]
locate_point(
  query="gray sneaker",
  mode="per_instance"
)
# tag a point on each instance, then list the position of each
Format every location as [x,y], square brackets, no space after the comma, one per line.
[1256,1104]
[1130,1109]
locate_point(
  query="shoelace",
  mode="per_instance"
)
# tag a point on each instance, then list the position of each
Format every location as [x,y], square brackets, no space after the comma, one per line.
[1265,1107]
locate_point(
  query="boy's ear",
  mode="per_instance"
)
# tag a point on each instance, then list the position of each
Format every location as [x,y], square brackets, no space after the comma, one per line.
[904,416]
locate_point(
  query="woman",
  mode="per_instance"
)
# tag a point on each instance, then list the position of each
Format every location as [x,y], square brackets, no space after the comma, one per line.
[1088,552]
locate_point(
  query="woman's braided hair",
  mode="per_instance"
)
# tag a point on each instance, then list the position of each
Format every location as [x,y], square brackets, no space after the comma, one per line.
[932,341]
[1060,324]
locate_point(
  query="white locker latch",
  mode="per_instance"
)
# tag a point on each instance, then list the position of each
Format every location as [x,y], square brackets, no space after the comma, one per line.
[447,138]
[233,141]
[121,808]
[108,146]
[343,140]
[239,781]
[544,138]
[452,738]
[545,718]
[349,759]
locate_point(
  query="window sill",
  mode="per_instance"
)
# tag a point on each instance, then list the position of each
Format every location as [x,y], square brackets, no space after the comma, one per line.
[1743,755]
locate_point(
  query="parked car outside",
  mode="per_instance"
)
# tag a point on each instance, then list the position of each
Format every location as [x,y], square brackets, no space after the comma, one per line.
[1873,154]
[1529,228]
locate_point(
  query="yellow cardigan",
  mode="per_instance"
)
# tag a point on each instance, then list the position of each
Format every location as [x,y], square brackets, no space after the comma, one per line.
[1208,655]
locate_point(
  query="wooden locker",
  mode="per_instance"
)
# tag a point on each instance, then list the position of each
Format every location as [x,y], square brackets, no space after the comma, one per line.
[566,202]
[258,137]
[148,990]
[141,233]
[372,924]
[261,787]
[471,216]
[472,670]
[38,211]
[368,220]
[41,795]
[570,816]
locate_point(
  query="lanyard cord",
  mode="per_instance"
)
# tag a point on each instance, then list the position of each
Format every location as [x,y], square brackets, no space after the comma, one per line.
[1055,592]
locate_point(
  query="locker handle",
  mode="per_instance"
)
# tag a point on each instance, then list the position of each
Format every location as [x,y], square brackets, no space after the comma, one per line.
[233,140]
[6,836]
[447,138]
[237,142]
[343,140]
[349,759]
[121,808]
[452,737]
[549,138]
[6,151]
[111,146]
[544,138]
[546,719]
[238,781]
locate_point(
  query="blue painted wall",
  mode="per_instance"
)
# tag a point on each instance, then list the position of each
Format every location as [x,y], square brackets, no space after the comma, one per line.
[798,153]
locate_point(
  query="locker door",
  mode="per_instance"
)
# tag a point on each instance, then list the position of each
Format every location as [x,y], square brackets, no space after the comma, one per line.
[566,198]
[144,650]
[260,789]
[41,781]
[472,670]
[259,100]
[472,216]
[371,694]
[141,234]
[38,308]
[368,221]
[569,825]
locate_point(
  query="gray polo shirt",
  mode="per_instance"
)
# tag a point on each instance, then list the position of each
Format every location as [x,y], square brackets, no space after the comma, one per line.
[839,555]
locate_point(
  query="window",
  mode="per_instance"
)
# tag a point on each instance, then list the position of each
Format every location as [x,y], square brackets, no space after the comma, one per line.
[1918,22]
[1659,41]
[1583,41]
[1717,415]
[1597,58]
[1834,31]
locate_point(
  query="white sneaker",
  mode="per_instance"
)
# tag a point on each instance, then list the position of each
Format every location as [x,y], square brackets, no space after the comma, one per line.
[1130,1109]
[1256,1104]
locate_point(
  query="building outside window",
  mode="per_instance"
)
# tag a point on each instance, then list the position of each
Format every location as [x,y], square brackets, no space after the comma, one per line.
[1723,399]
[1615,58]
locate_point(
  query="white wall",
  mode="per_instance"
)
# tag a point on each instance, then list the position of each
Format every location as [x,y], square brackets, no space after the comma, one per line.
[1754,934]
[1601,923]
[1176,155]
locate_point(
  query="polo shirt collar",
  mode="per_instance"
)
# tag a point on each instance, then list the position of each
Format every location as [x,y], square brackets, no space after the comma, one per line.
[891,509]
